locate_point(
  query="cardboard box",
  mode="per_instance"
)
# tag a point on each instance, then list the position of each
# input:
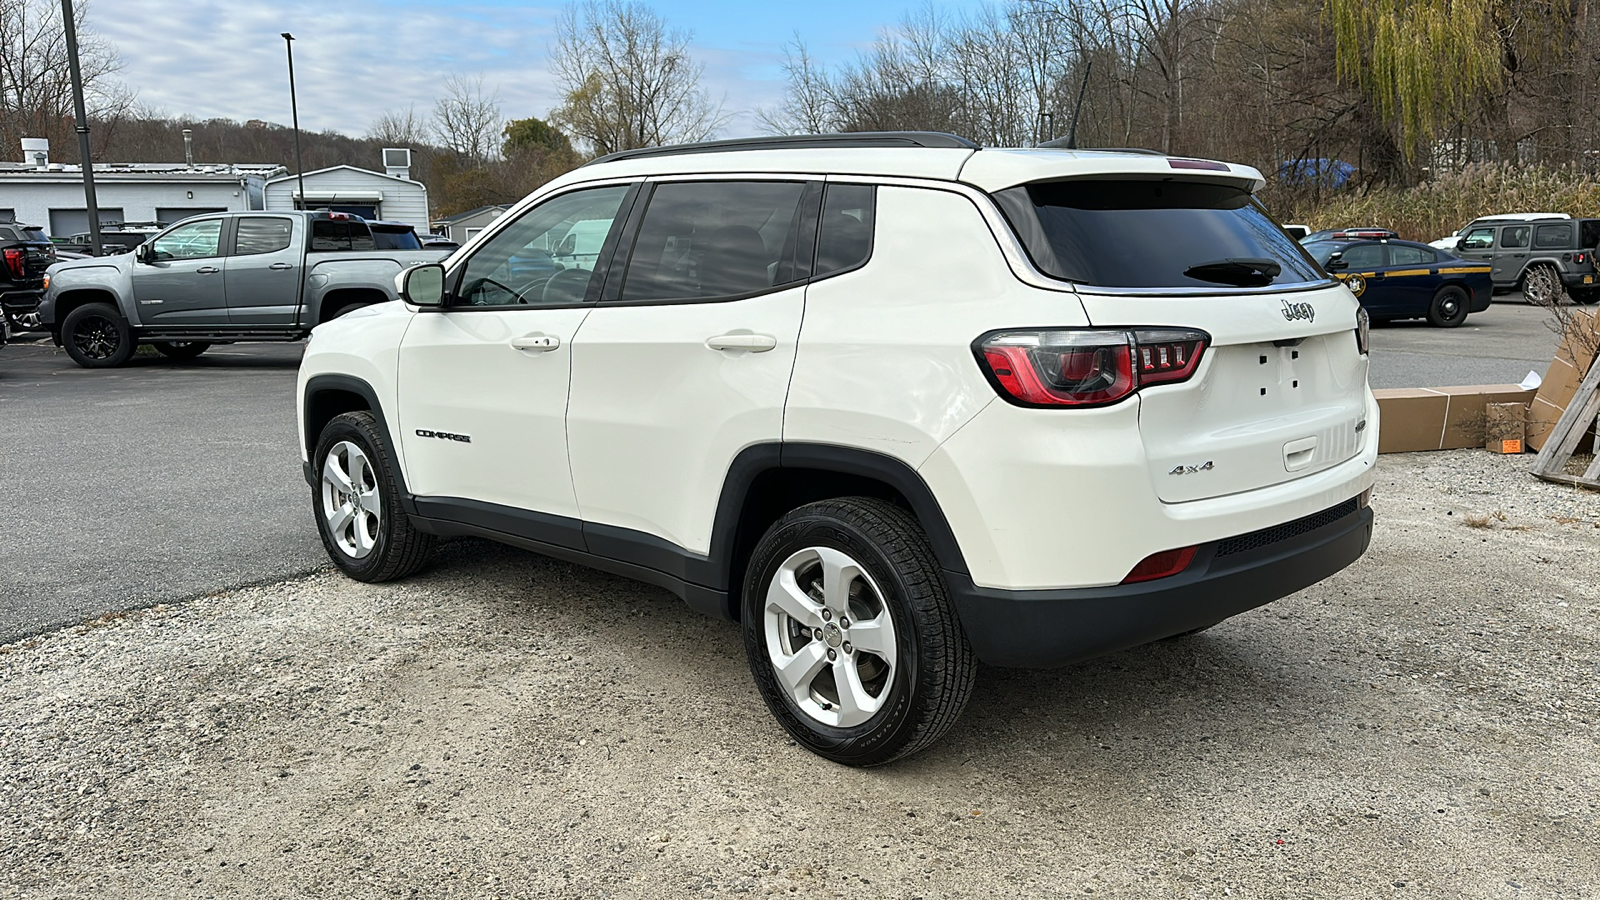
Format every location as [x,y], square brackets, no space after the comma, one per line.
[1506,425]
[1571,362]
[1442,418]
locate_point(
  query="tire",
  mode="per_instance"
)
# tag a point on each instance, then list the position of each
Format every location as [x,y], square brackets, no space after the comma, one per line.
[180,349]
[96,336]
[1585,296]
[348,307]
[356,503]
[1449,307]
[915,670]
[1541,286]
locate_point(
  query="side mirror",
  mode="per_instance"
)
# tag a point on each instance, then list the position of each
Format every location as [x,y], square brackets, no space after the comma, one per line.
[422,285]
[1335,264]
[144,253]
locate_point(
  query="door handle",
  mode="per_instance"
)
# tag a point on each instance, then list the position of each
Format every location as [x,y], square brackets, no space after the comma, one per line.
[536,343]
[207,270]
[754,343]
[280,266]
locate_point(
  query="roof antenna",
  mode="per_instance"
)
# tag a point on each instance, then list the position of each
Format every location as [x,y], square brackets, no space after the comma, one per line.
[1072,133]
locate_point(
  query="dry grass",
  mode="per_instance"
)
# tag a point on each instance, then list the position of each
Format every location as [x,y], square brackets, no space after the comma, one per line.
[1436,208]
[1494,520]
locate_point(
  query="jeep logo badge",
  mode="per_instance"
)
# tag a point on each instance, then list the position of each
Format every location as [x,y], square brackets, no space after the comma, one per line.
[1293,311]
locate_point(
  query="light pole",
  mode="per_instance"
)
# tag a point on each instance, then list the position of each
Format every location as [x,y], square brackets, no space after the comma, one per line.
[294,107]
[87,165]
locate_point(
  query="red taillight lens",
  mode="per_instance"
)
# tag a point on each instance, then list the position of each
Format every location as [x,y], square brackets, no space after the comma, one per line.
[16,263]
[1161,565]
[1086,368]
[1579,257]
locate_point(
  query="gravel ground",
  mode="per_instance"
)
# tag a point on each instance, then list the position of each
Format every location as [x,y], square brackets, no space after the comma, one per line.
[1424,724]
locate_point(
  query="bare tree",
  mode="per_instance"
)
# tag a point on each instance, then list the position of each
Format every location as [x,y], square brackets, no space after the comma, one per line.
[35,87]
[467,119]
[810,102]
[627,80]
[399,128]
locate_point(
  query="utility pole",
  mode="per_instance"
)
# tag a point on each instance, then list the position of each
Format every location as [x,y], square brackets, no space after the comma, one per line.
[83,126]
[294,108]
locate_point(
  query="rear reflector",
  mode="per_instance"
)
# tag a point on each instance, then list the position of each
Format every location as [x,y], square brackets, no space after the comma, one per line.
[1161,565]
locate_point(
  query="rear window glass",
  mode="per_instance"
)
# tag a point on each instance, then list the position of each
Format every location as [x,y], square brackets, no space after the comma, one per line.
[34,234]
[340,234]
[1153,234]
[385,238]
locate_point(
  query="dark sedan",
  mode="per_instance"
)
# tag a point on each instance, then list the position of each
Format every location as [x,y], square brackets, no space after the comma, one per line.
[1406,280]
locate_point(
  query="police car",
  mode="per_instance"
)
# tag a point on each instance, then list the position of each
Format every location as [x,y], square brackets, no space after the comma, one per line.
[1397,279]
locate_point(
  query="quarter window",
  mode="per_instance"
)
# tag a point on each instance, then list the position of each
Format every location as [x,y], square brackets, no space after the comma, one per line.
[194,241]
[1552,237]
[844,239]
[705,239]
[260,234]
[547,256]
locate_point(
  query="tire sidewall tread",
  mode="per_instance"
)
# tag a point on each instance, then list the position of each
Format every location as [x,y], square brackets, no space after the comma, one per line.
[69,327]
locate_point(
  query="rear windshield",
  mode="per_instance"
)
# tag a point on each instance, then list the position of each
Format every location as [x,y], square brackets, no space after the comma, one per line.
[1153,234]
[34,234]
[389,237]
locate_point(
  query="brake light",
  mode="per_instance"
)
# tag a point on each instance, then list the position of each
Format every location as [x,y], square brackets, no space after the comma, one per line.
[16,263]
[1161,565]
[339,216]
[1086,368]
[1579,257]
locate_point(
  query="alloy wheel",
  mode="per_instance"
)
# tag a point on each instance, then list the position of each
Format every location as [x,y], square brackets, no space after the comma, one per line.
[830,637]
[97,337]
[351,506]
[1540,286]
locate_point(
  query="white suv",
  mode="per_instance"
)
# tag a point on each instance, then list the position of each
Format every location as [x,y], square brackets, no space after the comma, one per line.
[896,403]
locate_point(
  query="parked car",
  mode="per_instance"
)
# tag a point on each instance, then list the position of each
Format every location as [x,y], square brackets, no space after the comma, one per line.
[938,410]
[25,255]
[1544,258]
[1406,280]
[220,278]
[393,235]
[115,237]
[1348,234]
[437,242]
[1298,232]
[1450,242]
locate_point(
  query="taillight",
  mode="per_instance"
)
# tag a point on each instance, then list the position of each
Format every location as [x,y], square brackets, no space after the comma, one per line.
[1161,565]
[1579,257]
[1086,368]
[16,263]
[1363,329]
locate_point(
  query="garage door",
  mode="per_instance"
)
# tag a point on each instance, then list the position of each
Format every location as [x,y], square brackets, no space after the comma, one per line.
[174,214]
[64,222]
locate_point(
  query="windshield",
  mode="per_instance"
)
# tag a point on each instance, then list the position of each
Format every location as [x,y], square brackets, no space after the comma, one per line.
[388,237]
[1153,234]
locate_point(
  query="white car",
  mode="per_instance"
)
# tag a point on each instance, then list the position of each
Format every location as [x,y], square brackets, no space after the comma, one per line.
[1450,242]
[896,403]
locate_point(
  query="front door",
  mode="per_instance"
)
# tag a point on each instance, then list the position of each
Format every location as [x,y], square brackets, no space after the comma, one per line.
[263,273]
[483,381]
[182,283]
[686,363]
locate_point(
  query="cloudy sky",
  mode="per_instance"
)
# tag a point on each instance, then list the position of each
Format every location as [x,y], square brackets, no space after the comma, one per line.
[356,58]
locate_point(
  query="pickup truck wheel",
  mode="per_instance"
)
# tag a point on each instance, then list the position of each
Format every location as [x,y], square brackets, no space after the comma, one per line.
[180,349]
[1541,286]
[96,336]
[1449,307]
[357,503]
[851,635]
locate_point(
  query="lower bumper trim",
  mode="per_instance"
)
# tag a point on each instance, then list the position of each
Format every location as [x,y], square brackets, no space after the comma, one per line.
[1051,628]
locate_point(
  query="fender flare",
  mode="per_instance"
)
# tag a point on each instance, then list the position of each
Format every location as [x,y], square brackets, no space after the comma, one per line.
[320,384]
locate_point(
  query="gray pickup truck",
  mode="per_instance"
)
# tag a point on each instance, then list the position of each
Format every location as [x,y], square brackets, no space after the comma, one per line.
[216,279]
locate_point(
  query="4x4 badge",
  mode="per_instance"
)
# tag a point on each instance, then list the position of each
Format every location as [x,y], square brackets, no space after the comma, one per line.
[1206,466]
[1293,311]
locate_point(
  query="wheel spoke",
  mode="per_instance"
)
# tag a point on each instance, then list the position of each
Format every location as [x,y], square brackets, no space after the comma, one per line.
[364,531]
[855,704]
[332,471]
[369,500]
[838,571]
[784,595]
[874,636]
[797,671]
[339,518]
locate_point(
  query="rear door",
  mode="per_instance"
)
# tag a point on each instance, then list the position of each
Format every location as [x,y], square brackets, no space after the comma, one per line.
[1413,277]
[1511,254]
[182,284]
[263,272]
[1281,389]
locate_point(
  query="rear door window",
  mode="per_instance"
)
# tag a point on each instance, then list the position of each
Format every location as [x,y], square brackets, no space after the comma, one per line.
[1514,237]
[261,234]
[710,239]
[1364,256]
[1153,234]
[1401,255]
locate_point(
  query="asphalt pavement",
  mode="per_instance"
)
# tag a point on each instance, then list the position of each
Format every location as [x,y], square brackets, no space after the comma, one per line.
[167,480]
[155,482]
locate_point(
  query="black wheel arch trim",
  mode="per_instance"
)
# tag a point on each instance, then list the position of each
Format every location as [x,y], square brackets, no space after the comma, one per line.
[349,384]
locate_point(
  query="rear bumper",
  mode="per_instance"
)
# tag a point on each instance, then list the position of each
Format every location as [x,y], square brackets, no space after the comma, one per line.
[1049,628]
[1577,279]
[22,300]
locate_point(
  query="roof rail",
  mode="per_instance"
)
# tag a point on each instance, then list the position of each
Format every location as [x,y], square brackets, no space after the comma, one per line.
[802,141]
[1061,144]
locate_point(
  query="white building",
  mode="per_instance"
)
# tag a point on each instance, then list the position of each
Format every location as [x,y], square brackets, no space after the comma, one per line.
[50,195]
[462,227]
[390,195]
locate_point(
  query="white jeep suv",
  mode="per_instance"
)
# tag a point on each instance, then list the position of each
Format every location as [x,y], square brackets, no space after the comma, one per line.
[896,403]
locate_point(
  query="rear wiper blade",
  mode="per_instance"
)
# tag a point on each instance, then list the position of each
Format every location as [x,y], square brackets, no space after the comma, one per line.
[1237,271]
